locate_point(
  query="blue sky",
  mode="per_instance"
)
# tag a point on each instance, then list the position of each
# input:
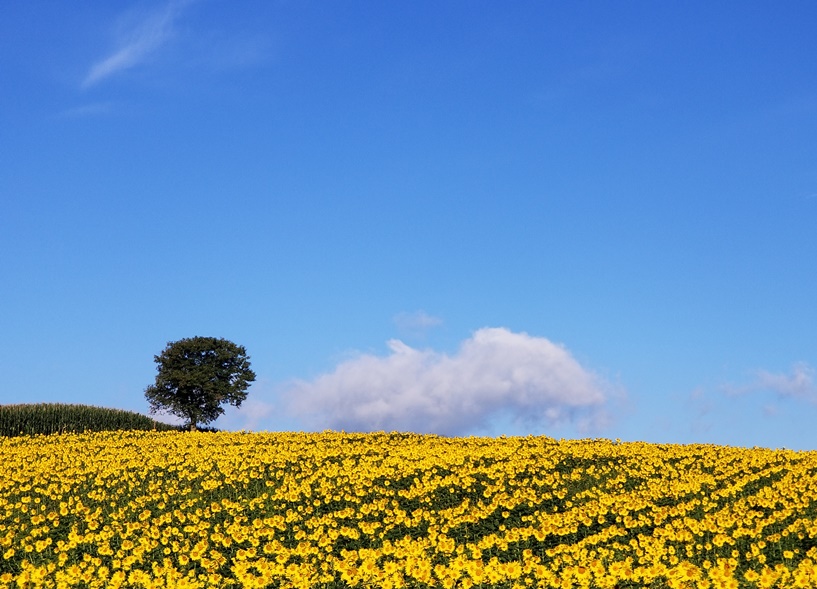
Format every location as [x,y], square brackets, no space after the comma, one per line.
[591,219]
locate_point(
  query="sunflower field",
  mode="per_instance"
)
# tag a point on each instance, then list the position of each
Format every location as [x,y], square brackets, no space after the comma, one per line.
[334,510]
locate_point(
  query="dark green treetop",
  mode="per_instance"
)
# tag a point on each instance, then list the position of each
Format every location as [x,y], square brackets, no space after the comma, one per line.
[196,376]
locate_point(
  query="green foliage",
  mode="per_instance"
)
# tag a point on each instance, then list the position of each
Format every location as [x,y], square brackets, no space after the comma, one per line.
[197,375]
[54,418]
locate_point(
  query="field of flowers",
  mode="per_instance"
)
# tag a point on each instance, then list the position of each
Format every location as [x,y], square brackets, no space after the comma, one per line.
[333,510]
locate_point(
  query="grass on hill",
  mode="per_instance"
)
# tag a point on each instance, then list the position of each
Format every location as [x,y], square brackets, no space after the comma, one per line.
[53,418]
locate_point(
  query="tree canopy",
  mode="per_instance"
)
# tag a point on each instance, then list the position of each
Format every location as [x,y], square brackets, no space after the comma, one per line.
[196,376]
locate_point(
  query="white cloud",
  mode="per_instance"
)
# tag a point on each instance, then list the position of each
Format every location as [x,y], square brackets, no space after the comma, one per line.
[798,384]
[495,374]
[139,37]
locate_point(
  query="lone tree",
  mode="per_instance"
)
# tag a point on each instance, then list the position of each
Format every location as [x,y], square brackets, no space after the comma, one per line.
[197,375]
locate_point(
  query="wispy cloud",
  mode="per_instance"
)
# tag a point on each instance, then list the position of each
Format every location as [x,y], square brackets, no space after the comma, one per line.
[732,407]
[416,323]
[253,414]
[140,36]
[495,373]
[165,417]
[798,384]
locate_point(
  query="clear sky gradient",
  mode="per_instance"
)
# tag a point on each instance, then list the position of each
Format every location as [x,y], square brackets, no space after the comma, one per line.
[579,219]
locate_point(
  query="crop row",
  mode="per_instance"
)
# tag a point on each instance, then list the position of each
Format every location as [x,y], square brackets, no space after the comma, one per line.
[55,418]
